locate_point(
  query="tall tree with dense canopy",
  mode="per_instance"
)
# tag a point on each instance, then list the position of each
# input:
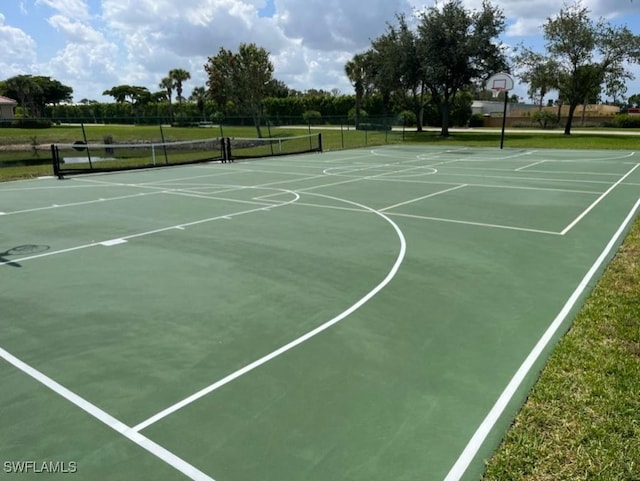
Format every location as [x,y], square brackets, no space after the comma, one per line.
[457,47]
[35,92]
[588,54]
[241,79]
[539,73]
[135,95]
[397,71]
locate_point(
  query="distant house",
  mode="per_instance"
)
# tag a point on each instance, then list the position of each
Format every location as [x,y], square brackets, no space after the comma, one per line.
[6,108]
[490,108]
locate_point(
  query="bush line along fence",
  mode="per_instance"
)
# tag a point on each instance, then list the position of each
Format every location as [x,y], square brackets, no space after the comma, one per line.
[365,121]
[405,120]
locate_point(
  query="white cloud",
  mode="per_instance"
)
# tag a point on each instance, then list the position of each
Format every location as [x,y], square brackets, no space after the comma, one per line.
[337,24]
[102,43]
[76,9]
[524,27]
[18,50]
[74,31]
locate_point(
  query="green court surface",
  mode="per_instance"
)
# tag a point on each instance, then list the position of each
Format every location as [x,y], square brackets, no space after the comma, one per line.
[358,315]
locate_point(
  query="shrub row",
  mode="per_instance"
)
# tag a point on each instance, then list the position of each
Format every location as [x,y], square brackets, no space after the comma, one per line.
[27,124]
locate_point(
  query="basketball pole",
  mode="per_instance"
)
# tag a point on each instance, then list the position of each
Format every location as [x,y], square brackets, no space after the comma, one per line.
[504,117]
[501,82]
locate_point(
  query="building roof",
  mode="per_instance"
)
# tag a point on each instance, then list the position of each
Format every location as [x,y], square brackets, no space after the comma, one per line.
[7,101]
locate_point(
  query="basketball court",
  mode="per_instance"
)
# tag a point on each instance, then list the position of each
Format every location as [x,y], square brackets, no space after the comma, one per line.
[370,314]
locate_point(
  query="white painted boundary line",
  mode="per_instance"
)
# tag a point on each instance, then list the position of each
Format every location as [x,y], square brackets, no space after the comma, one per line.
[489,186]
[597,201]
[410,201]
[474,444]
[74,204]
[542,179]
[118,426]
[529,165]
[287,347]
[477,224]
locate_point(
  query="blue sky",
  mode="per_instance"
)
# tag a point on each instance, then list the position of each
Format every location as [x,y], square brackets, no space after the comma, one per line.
[93,45]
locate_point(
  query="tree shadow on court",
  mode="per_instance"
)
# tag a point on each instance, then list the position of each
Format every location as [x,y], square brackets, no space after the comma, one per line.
[20,251]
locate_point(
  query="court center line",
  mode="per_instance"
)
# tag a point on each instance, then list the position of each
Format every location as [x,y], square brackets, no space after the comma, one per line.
[410,201]
[597,201]
[287,347]
[158,451]
[478,438]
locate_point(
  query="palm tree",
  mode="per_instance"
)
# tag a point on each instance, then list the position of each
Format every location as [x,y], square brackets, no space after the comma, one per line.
[199,96]
[355,70]
[179,76]
[167,84]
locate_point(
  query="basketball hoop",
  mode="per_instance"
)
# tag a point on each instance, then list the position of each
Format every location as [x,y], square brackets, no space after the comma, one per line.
[501,82]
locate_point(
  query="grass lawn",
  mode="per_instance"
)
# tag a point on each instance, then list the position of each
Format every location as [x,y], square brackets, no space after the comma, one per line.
[582,418]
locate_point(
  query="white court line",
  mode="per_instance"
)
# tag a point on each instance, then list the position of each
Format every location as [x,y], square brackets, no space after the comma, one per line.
[597,201]
[120,240]
[113,242]
[287,347]
[477,224]
[267,184]
[86,202]
[529,165]
[102,416]
[490,186]
[410,201]
[543,179]
[478,438]
[225,199]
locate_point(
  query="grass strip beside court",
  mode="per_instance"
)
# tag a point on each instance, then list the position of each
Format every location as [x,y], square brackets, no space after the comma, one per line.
[581,419]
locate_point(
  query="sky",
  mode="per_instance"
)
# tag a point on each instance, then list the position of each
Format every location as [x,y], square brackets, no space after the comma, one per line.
[93,45]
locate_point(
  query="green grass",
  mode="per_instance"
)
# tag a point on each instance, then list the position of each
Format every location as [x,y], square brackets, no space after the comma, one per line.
[582,418]
[581,421]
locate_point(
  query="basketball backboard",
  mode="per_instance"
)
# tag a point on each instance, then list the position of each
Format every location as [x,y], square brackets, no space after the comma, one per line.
[499,82]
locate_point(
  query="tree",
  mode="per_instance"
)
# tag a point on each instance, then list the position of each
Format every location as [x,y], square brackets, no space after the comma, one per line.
[634,100]
[35,92]
[587,53]
[355,71]
[199,96]
[179,76]
[397,69]
[24,88]
[615,87]
[278,89]
[539,72]
[456,47]
[241,79]
[167,84]
[137,96]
